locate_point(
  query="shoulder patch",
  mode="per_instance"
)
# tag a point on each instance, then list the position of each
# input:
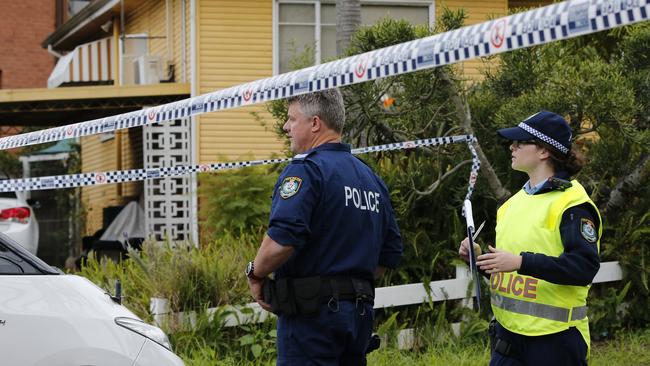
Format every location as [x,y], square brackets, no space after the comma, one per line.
[588,230]
[290,186]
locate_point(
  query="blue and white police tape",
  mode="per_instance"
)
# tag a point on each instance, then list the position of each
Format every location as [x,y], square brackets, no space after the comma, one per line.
[122,176]
[535,27]
[476,165]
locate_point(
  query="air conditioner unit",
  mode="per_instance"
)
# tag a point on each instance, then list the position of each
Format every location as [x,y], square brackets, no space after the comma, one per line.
[147,69]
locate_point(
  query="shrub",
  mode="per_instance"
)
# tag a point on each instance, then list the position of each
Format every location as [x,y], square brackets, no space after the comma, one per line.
[236,201]
[190,278]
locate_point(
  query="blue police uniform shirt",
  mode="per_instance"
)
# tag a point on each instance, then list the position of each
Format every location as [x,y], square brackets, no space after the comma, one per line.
[336,213]
[532,190]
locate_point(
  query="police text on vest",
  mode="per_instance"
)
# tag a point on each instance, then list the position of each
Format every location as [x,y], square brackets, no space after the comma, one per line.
[517,285]
[363,200]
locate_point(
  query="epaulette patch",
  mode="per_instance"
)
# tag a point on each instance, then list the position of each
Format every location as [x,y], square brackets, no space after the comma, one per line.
[290,186]
[588,230]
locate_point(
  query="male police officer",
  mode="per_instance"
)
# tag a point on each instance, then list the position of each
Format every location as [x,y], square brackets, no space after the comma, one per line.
[331,232]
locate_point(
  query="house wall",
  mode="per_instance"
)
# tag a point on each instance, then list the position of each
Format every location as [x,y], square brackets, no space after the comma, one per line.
[97,156]
[527,3]
[234,46]
[125,150]
[178,40]
[23,62]
[150,16]
[122,152]
[477,12]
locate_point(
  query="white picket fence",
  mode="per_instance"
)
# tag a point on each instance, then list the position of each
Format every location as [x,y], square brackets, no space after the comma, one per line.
[385,297]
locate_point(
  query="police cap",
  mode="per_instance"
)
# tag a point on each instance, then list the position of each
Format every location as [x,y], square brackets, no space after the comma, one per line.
[544,126]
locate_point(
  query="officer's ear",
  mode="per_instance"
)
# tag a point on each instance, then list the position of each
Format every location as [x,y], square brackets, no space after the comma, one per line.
[316,124]
[544,156]
[543,153]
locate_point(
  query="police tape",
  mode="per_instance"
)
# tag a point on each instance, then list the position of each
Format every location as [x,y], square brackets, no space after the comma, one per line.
[476,165]
[122,176]
[551,23]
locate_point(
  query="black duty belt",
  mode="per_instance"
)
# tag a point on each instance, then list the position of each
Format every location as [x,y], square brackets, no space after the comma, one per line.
[346,287]
[289,296]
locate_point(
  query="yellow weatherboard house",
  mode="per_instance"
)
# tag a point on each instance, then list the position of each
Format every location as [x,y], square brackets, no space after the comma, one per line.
[124,55]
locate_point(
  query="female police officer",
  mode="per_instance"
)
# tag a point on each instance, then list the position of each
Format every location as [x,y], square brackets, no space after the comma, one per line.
[546,253]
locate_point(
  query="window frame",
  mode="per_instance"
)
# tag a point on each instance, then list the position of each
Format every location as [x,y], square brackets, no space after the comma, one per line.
[317,21]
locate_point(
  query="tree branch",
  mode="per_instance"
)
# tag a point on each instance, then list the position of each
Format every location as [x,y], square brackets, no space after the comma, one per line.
[627,185]
[436,184]
[463,112]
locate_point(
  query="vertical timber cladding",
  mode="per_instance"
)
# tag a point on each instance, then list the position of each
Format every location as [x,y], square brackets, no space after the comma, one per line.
[97,156]
[100,153]
[478,11]
[131,156]
[235,46]
[513,4]
[150,17]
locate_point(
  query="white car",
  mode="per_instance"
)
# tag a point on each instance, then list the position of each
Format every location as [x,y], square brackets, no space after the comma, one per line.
[48,318]
[17,220]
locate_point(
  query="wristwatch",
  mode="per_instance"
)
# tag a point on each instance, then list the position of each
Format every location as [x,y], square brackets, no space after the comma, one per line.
[250,272]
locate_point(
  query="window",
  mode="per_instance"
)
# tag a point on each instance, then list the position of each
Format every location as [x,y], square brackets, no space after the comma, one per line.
[307,29]
[7,266]
[75,6]
[16,260]
[8,194]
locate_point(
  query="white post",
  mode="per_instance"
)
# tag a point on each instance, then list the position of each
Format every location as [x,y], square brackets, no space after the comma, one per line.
[26,173]
[159,308]
[462,271]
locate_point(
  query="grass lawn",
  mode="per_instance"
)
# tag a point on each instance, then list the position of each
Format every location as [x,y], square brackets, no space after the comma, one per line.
[628,349]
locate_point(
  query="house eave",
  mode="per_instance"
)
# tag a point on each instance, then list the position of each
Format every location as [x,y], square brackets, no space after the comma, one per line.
[82,25]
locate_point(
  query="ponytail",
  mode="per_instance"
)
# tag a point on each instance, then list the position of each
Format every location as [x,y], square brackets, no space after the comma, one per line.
[571,163]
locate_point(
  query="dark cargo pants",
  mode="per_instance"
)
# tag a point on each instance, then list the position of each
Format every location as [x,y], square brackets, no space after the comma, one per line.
[328,338]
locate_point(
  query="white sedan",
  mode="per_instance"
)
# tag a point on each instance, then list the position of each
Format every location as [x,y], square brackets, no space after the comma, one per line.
[17,220]
[50,318]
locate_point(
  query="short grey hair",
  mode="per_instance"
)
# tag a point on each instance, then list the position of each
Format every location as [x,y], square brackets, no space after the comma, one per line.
[326,104]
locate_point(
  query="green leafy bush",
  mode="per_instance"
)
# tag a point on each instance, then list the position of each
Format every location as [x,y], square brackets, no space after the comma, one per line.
[236,201]
[190,278]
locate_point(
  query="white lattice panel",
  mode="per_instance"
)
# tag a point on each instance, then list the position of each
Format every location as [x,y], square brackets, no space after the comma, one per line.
[167,200]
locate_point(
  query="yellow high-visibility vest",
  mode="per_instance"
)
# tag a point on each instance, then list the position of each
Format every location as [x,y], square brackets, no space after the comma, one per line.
[525,304]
